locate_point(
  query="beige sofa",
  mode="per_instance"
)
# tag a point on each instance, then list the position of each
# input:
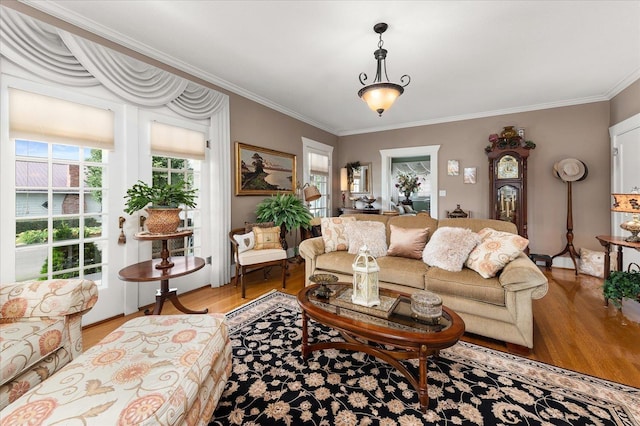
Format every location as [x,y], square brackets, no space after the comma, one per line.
[500,307]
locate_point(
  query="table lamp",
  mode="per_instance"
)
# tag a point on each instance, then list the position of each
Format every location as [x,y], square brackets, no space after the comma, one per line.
[310,192]
[629,203]
[344,183]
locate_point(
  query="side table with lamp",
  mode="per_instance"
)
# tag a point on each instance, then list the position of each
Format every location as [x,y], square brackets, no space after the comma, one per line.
[624,203]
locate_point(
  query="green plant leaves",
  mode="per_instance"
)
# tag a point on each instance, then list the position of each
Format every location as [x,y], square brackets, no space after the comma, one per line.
[620,285]
[141,194]
[284,210]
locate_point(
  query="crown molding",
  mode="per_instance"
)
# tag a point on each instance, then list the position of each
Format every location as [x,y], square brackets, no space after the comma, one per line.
[106,33]
[623,84]
[214,82]
[473,116]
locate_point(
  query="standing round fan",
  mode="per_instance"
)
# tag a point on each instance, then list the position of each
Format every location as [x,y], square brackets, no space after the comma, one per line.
[570,170]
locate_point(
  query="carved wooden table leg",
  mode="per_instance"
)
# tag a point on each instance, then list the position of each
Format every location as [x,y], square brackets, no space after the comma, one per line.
[423,391]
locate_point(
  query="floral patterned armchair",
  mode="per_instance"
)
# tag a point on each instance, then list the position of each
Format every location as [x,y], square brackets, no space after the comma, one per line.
[40,330]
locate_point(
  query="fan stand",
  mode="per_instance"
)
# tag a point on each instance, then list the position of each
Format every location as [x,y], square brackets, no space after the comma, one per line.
[569,248]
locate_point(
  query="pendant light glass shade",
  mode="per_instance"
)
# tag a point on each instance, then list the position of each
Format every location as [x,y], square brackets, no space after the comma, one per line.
[379,97]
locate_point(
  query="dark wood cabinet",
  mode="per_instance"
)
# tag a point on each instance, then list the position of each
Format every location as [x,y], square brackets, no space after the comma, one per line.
[508,183]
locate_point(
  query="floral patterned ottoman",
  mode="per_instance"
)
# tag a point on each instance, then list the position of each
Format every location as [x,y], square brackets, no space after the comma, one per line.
[154,370]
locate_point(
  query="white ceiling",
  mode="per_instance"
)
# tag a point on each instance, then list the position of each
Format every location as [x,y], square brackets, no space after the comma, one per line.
[466,59]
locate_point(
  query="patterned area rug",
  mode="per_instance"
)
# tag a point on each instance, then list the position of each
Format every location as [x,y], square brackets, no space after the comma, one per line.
[468,384]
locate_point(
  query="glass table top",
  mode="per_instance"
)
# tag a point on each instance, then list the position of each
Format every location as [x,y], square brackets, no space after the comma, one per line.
[395,314]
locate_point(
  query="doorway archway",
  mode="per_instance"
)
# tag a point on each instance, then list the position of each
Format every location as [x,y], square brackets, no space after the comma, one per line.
[387,156]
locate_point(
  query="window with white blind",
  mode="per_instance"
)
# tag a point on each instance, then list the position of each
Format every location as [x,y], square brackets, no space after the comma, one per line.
[61,157]
[317,171]
[176,158]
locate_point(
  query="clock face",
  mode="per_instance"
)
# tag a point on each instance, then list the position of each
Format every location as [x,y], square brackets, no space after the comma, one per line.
[508,168]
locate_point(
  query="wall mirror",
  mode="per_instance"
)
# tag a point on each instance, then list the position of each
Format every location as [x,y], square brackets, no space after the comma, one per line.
[361,183]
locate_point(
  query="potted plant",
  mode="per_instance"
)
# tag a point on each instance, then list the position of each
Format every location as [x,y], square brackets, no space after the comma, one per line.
[622,285]
[163,204]
[285,210]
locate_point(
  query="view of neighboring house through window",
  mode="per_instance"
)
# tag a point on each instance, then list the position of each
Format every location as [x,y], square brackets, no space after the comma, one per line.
[59,210]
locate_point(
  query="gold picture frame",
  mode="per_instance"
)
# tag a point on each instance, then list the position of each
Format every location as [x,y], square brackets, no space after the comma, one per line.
[263,171]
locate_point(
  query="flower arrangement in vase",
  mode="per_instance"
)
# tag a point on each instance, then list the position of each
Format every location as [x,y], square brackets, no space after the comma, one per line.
[407,183]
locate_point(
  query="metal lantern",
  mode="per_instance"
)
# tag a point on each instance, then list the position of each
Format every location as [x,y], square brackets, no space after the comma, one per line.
[365,279]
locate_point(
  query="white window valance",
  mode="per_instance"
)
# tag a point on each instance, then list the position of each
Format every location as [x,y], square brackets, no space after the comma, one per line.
[68,59]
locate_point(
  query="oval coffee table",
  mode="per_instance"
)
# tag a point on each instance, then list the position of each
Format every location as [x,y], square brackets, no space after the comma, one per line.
[411,339]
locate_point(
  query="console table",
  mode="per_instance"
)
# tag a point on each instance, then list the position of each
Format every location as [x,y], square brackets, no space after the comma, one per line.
[347,210]
[607,241]
[163,270]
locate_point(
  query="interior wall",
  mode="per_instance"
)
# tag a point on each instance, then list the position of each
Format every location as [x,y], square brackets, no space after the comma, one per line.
[255,124]
[626,103]
[579,131]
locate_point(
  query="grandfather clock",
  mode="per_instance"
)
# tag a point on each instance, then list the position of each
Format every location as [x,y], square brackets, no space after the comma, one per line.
[508,155]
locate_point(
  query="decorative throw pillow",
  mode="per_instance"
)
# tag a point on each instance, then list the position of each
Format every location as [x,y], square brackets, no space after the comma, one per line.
[248,226]
[333,235]
[496,249]
[407,242]
[267,238]
[591,262]
[449,248]
[408,209]
[367,233]
[245,241]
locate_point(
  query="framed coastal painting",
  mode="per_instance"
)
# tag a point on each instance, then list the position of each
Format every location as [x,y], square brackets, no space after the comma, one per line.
[263,171]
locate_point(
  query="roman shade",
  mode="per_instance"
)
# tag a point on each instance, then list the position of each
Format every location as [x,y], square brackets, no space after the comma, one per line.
[176,141]
[319,164]
[37,117]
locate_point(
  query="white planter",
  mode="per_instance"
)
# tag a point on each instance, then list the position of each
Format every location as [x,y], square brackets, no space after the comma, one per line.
[631,309]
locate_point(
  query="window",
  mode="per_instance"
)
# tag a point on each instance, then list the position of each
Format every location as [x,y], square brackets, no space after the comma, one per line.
[179,164]
[60,169]
[59,215]
[317,171]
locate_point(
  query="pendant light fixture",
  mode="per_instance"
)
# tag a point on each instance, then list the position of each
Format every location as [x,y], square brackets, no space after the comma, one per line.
[380,95]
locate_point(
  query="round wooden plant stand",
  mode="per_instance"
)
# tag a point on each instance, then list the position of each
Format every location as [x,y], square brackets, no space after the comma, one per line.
[162,270]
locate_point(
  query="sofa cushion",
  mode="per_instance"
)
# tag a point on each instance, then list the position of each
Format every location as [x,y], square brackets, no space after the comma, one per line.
[267,238]
[407,242]
[252,257]
[372,234]
[465,284]
[494,251]
[248,226]
[402,271]
[245,241]
[591,262]
[336,261]
[449,248]
[333,233]
[25,343]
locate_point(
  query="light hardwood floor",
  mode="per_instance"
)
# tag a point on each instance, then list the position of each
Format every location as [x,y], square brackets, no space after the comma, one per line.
[573,327]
